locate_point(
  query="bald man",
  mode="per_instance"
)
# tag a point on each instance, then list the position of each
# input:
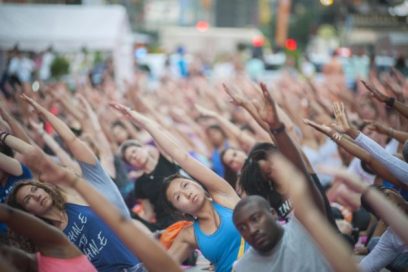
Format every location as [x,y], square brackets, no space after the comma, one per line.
[274,248]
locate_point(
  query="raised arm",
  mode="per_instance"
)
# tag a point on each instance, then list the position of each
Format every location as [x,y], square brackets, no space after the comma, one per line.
[90,167]
[239,99]
[399,135]
[217,186]
[60,95]
[245,140]
[10,165]
[92,123]
[269,115]
[62,155]
[15,126]
[78,148]
[389,101]
[46,238]
[385,209]
[349,145]
[331,245]
[142,245]
[396,166]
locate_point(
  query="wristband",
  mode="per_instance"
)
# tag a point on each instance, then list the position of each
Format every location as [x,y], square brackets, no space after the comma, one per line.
[390,102]
[3,136]
[279,129]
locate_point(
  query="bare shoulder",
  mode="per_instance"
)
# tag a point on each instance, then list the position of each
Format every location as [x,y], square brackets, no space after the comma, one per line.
[186,235]
[228,201]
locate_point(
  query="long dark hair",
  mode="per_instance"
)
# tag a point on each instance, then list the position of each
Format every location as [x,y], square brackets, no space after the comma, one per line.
[55,193]
[253,180]
[230,175]
[58,200]
[125,145]
[168,206]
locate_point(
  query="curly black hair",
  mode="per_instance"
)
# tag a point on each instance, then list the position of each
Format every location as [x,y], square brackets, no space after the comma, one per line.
[253,180]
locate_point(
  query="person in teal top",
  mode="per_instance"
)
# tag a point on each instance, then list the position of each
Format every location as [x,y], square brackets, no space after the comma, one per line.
[213,231]
[222,248]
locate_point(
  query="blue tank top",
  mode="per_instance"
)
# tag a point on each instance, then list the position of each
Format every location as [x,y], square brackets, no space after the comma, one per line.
[220,248]
[97,241]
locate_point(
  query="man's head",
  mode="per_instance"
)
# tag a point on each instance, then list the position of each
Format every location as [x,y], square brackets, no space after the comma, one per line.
[256,221]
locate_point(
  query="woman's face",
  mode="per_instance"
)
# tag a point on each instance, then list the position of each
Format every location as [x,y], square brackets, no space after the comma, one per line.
[34,199]
[136,156]
[186,195]
[234,158]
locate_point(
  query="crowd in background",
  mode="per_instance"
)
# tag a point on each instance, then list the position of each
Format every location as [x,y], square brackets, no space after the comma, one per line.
[169,165]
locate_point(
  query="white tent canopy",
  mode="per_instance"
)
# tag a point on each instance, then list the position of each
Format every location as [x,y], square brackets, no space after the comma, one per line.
[69,28]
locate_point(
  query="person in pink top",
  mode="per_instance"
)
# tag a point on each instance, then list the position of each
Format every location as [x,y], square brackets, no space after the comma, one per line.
[55,252]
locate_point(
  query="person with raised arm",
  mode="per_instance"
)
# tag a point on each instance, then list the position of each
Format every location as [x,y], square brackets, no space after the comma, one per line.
[232,158]
[387,100]
[392,210]
[63,157]
[399,135]
[245,141]
[267,116]
[91,168]
[210,200]
[91,124]
[291,247]
[11,172]
[398,168]
[55,252]
[110,239]
[393,216]
[349,145]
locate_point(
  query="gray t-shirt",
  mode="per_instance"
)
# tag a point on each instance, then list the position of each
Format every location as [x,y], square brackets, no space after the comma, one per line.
[97,176]
[295,252]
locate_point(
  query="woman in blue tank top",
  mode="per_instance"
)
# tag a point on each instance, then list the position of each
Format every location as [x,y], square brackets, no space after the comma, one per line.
[213,231]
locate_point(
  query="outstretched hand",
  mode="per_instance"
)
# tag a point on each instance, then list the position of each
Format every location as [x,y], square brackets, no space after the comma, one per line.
[37,107]
[205,112]
[325,129]
[375,92]
[268,112]
[138,118]
[236,95]
[125,111]
[342,122]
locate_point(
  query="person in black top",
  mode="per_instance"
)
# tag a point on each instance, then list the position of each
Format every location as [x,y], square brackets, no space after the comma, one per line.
[154,167]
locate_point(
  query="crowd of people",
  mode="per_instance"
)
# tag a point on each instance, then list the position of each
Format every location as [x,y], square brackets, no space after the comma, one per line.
[293,174]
